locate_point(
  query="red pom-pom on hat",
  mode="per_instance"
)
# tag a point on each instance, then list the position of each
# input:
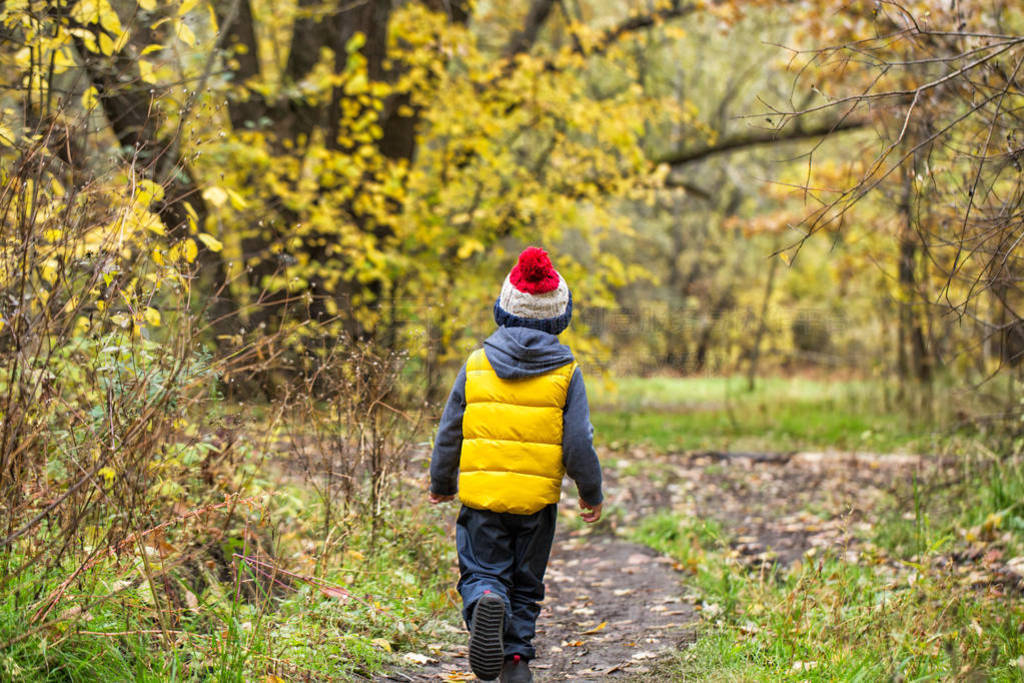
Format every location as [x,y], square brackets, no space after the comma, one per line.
[534,273]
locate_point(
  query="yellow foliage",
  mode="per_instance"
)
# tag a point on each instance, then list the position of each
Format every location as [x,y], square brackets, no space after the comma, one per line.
[184,33]
[189,250]
[146,71]
[211,242]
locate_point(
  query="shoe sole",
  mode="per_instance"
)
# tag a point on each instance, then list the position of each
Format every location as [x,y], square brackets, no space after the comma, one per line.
[486,650]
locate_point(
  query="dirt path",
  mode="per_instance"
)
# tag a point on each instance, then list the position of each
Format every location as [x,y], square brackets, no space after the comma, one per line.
[613,606]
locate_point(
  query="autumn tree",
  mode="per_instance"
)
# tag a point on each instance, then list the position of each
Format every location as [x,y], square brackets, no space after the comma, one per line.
[940,84]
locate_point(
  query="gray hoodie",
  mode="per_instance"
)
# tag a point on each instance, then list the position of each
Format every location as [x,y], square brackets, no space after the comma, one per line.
[516,352]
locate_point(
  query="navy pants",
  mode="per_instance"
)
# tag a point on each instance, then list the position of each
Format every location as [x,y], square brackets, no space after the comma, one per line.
[506,554]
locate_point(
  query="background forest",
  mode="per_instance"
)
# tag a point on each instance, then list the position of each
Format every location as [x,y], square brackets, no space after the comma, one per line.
[245,246]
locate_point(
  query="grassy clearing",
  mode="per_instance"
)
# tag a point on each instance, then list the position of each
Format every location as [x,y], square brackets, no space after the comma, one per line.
[697,413]
[674,393]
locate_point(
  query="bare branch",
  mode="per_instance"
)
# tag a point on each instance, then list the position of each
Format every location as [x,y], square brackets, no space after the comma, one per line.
[760,137]
[523,40]
[638,22]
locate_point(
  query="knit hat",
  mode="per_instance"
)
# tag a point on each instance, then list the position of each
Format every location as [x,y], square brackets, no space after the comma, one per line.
[534,295]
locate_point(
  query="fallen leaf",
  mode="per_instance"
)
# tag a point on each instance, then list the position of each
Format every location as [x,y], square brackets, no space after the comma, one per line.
[595,629]
[336,592]
[749,628]
[804,666]
[381,643]
[416,658]
[992,556]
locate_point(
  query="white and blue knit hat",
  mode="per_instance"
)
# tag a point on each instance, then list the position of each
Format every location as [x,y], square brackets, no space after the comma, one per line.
[534,295]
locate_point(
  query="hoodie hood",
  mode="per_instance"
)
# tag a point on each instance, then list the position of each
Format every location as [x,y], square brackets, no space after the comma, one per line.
[516,352]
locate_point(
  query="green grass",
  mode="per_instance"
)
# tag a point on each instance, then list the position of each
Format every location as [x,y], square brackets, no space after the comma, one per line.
[900,610]
[300,632]
[983,505]
[830,619]
[702,391]
[716,413]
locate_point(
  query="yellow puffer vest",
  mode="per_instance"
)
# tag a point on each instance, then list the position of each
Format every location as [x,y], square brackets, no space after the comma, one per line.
[512,438]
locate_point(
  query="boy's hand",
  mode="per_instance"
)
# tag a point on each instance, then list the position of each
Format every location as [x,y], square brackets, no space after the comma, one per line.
[435,498]
[593,512]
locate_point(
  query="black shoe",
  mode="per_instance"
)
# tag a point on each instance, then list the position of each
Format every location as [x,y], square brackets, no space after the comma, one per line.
[516,670]
[486,650]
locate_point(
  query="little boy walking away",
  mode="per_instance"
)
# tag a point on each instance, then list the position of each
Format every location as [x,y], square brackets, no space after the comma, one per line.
[516,421]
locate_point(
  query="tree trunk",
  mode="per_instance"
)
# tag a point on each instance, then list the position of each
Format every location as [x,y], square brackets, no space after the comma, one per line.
[914,361]
[755,351]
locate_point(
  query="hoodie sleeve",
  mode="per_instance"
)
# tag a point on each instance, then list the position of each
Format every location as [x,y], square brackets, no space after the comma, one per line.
[444,463]
[578,452]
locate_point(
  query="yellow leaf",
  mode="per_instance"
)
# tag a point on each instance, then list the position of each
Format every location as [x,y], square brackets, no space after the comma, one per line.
[381,643]
[192,217]
[237,200]
[149,192]
[90,98]
[154,225]
[151,48]
[48,272]
[189,250]
[595,629]
[184,33]
[122,40]
[108,17]
[106,45]
[186,7]
[86,36]
[355,42]
[211,242]
[470,247]
[97,12]
[152,316]
[216,196]
[146,71]
[148,5]
[107,473]
[214,27]
[356,84]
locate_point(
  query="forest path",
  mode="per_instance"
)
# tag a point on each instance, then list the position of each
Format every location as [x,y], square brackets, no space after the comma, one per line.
[613,605]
